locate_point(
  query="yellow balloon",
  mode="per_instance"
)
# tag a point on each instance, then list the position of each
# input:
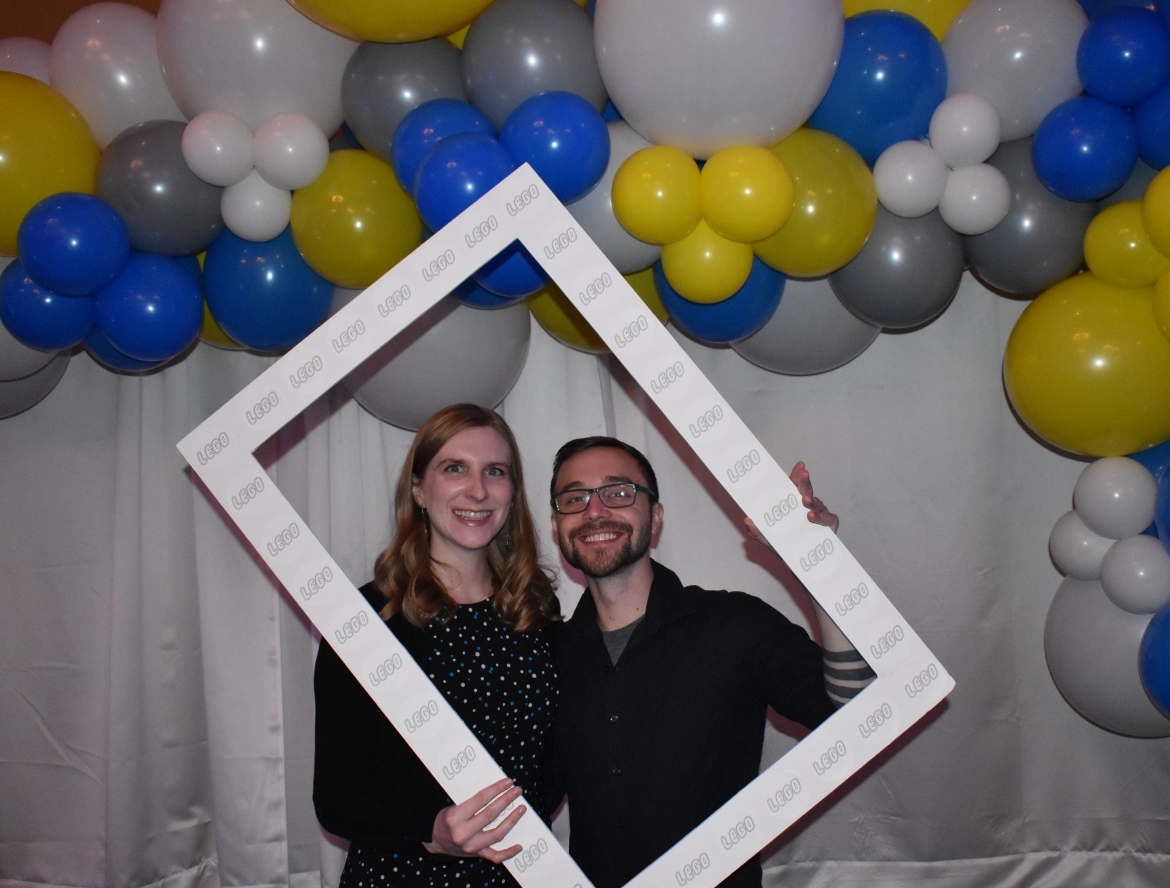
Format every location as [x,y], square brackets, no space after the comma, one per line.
[746,193]
[212,333]
[391,21]
[1156,212]
[557,315]
[656,194]
[1118,250]
[354,222]
[1088,370]
[45,147]
[705,267]
[935,14]
[836,204]
[1162,304]
[459,36]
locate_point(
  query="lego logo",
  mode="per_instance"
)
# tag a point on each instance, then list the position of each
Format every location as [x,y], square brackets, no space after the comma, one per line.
[212,448]
[438,265]
[480,232]
[393,301]
[262,408]
[522,200]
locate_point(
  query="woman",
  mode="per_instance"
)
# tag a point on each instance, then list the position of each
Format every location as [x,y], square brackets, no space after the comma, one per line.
[462,590]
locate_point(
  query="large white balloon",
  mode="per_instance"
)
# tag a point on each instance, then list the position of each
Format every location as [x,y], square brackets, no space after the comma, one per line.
[218,148]
[105,61]
[1075,549]
[1115,497]
[252,58]
[254,210]
[1136,575]
[976,199]
[910,178]
[462,355]
[703,75]
[595,210]
[810,332]
[25,55]
[290,151]
[1020,55]
[18,395]
[964,130]
[1092,650]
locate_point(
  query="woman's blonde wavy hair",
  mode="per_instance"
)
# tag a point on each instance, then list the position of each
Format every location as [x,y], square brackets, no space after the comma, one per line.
[524,593]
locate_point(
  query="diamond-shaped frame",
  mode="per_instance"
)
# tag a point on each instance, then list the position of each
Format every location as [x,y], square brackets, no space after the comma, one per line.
[910,681]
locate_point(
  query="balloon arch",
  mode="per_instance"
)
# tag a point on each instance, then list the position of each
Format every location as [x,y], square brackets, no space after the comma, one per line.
[773,176]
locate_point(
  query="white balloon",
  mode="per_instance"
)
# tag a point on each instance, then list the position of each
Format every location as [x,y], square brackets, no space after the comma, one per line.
[595,210]
[1020,55]
[254,210]
[253,58]
[1115,497]
[964,130]
[703,75]
[910,178]
[290,150]
[105,61]
[1136,575]
[1075,549]
[218,148]
[25,55]
[976,199]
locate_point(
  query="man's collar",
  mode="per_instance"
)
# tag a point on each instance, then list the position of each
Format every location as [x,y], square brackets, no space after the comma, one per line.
[668,600]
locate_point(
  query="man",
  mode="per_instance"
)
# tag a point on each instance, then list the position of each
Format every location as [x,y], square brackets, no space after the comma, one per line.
[664,688]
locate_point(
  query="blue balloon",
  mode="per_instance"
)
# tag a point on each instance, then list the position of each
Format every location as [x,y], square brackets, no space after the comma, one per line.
[1156,459]
[733,319]
[891,76]
[1124,56]
[40,318]
[1152,119]
[1154,660]
[425,126]
[512,273]
[1085,149]
[563,138]
[456,173]
[263,295]
[472,294]
[152,310]
[190,264]
[73,244]
[102,350]
[1094,8]
[610,113]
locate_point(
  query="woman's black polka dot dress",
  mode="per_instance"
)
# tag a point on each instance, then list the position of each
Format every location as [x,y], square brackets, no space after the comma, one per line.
[503,685]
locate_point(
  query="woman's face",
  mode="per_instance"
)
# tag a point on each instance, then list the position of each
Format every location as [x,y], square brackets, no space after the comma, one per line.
[467,492]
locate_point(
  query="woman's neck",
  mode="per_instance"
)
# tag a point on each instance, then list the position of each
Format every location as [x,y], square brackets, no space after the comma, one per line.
[466,579]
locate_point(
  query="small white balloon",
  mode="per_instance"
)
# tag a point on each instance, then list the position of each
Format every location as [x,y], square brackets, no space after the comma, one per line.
[1115,497]
[964,130]
[218,148]
[1075,549]
[25,55]
[976,199]
[910,178]
[290,150]
[255,210]
[1136,575]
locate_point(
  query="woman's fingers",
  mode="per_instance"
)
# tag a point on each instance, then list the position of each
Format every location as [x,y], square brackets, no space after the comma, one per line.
[483,840]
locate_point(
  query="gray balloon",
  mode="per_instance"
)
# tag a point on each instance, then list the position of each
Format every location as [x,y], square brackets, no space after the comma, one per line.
[1040,241]
[1092,649]
[453,354]
[905,275]
[595,210]
[384,82]
[1134,188]
[521,48]
[811,332]
[167,208]
[18,395]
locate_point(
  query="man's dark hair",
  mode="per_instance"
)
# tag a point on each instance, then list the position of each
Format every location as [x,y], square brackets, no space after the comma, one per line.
[580,445]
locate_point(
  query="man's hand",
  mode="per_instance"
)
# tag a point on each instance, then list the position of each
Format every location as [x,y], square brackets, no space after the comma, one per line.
[818,512]
[461,830]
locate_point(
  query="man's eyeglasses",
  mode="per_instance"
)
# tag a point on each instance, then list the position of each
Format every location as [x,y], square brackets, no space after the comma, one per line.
[613,496]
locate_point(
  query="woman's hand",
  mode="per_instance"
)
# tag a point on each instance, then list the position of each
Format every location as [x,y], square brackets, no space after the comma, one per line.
[461,830]
[818,512]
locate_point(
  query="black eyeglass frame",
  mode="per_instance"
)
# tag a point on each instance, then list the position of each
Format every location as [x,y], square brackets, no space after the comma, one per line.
[589,491]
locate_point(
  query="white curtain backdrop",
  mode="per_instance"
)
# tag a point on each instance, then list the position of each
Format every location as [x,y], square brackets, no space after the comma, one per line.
[156,707]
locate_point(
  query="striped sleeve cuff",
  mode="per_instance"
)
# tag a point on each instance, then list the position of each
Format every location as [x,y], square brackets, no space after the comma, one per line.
[846,675]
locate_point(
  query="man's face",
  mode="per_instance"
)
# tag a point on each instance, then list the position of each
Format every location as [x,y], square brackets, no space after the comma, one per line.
[601,541]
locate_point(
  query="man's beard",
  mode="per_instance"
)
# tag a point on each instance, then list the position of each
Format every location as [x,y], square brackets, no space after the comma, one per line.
[634,548]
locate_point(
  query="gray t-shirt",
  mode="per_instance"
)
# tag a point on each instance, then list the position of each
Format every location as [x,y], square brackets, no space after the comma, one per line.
[616,641]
